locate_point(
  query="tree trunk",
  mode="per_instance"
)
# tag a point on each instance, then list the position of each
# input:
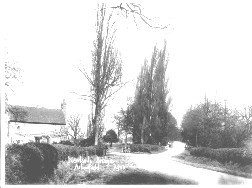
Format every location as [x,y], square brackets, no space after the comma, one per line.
[142,139]
[96,137]
[196,139]
[110,144]
[126,140]
[95,124]
[118,133]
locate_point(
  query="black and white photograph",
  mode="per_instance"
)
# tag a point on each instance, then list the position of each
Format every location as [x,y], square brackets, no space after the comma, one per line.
[126,92]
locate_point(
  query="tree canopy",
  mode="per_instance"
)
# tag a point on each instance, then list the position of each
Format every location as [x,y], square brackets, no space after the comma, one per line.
[110,137]
[148,116]
[210,124]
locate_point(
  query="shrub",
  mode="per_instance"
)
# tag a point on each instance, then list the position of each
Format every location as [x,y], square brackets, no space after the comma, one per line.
[26,164]
[146,148]
[87,142]
[100,149]
[23,164]
[15,172]
[200,152]
[50,157]
[66,142]
[65,151]
[164,141]
[225,155]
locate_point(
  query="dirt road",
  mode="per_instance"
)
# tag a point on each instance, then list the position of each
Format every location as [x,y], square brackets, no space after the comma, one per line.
[163,163]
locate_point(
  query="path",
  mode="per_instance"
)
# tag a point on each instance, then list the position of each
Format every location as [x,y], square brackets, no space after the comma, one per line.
[163,163]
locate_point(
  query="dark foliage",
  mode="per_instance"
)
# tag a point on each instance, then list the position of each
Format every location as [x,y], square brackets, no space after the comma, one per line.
[66,142]
[90,141]
[65,151]
[23,164]
[165,141]
[49,155]
[224,155]
[210,124]
[110,137]
[26,164]
[146,148]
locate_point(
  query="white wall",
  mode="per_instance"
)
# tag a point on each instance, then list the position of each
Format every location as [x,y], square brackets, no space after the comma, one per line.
[26,132]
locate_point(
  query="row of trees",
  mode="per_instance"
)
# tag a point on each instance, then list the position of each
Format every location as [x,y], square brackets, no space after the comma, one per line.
[147,118]
[211,124]
[105,78]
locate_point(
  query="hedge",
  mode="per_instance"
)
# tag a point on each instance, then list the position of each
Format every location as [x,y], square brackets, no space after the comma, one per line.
[223,155]
[66,142]
[146,148]
[88,141]
[65,151]
[50,157]
[28,163]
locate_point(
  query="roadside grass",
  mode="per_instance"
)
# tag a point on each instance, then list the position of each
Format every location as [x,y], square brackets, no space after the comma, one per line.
[121,172]
[68,174]
[203,162]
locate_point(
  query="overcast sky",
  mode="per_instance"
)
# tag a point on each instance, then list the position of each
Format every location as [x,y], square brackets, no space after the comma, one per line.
[209,45]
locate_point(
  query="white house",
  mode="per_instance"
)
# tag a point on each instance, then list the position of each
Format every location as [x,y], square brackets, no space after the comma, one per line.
[35,124]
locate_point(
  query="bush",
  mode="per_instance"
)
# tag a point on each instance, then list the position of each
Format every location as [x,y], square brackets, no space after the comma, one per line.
[50,157]
[65,151]
[100,149]
[26,164]
[224,155]
[146,148]
[87,142]
[164,141]
[66,142]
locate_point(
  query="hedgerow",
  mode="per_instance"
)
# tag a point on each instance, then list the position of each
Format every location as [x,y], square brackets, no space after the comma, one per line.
[146,148]
[66,142]
[65,151]
[224,155]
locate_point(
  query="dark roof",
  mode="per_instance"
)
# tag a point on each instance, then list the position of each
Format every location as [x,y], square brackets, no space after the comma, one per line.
[36,115]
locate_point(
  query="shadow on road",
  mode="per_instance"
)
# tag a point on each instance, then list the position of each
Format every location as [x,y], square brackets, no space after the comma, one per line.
[144,177]
[227,180]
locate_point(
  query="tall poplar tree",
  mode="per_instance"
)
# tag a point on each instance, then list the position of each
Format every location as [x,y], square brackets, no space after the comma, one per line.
[152,120]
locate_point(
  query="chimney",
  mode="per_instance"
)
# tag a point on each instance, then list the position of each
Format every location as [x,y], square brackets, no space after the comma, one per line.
[63,107]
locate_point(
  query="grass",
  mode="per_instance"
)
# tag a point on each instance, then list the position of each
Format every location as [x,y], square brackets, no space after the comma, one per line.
[107,174]
[67,174]
[203,162]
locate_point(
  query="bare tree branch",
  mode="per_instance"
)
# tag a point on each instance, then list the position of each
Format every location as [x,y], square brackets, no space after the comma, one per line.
[136,9]
[73,123]
[86,76]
